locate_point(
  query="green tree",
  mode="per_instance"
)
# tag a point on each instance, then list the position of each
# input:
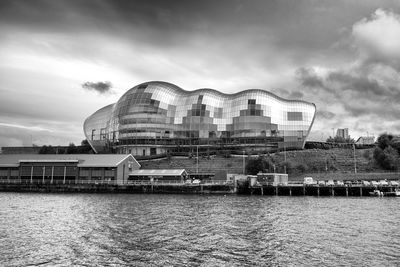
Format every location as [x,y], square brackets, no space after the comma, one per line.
[71,149]
[391,158]
[385,155]
[256,165]
[47,150]
[285,167]
[385,140]
[302,168]
[84,148]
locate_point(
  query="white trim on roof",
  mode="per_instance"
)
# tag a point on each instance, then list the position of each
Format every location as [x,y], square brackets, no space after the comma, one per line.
[127,156]
[155,172]
[48,160]
[96,166]
[9,165]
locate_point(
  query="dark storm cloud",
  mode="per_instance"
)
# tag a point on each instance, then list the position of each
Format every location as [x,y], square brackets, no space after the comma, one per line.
[100,87]
[354,90]
[296,95]
[325,114]
[308,78]
[293,95]
[227,26]
[361,84]
[226,44]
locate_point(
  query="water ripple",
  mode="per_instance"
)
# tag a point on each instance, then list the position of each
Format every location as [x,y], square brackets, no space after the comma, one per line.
[191,230]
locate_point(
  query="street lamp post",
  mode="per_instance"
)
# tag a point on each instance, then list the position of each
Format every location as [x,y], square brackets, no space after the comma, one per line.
[354,157]
[197,165]
[284,154]
[243,163]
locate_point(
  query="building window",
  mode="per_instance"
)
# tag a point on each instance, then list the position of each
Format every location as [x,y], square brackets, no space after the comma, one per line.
[295,116]
[103,134]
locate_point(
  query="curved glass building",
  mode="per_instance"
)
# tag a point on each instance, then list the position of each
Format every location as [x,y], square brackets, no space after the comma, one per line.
[157,117]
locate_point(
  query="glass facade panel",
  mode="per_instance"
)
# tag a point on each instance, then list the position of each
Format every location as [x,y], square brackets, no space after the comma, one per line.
[153,112]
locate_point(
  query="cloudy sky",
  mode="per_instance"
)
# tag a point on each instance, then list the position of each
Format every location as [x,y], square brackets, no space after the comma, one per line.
[60,61]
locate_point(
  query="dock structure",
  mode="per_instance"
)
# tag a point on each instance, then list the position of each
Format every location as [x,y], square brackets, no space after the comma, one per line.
[314,190]
[175,187]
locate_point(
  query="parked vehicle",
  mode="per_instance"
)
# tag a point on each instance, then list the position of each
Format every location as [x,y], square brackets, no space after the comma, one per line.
[383,183]
[366,183]
[330,183]
[196,181]
[394,183]
[374,183]
[321,182]
[308,180]
[340,183]
[348,183]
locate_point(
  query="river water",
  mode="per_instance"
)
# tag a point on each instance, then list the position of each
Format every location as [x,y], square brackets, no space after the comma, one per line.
[194,230]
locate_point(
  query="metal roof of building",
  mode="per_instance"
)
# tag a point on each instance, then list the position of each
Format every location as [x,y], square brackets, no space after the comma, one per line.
[167,172]
[84,160]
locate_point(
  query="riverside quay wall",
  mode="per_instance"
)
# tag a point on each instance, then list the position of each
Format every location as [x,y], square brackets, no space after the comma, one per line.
[182,188]
[136,188]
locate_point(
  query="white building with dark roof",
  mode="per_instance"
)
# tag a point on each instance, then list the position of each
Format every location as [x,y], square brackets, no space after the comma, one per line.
[171,175]
[67,168]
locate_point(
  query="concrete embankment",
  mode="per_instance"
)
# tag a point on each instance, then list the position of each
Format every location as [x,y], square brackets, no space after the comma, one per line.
[113,188]
[245,189]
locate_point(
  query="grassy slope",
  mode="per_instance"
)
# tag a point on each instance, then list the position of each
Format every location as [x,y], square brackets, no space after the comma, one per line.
[314,160]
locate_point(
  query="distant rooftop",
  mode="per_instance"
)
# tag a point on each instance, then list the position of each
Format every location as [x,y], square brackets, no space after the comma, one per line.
[84,160]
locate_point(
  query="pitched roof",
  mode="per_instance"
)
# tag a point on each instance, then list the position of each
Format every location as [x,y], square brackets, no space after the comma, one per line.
[370,139]
[167,172]
[84,160]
